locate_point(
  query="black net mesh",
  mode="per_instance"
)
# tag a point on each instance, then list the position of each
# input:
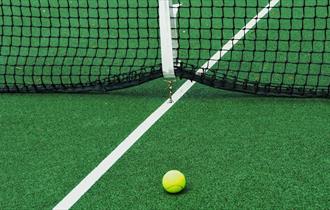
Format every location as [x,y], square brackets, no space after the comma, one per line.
[286,53]
[88,45]
[77,45]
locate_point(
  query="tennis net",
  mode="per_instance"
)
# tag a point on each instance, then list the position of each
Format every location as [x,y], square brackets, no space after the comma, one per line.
[88,45]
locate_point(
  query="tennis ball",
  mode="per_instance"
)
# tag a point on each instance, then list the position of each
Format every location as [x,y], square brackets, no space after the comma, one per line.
[174,181]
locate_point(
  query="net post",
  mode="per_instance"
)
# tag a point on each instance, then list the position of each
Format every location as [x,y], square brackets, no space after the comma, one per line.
[166,39]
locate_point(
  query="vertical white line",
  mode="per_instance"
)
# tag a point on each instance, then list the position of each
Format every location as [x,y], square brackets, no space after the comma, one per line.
[175,42]
[166,39]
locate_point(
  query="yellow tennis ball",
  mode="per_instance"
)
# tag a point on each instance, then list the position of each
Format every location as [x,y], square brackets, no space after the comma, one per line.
[174,181]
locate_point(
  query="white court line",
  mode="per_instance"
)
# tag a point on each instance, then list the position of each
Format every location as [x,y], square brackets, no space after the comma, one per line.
[70,199]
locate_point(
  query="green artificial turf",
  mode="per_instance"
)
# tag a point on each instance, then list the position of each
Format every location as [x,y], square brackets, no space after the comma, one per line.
[48,143]
[237,151]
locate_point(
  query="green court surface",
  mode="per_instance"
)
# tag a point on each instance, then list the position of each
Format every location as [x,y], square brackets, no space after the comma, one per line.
[237,151]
